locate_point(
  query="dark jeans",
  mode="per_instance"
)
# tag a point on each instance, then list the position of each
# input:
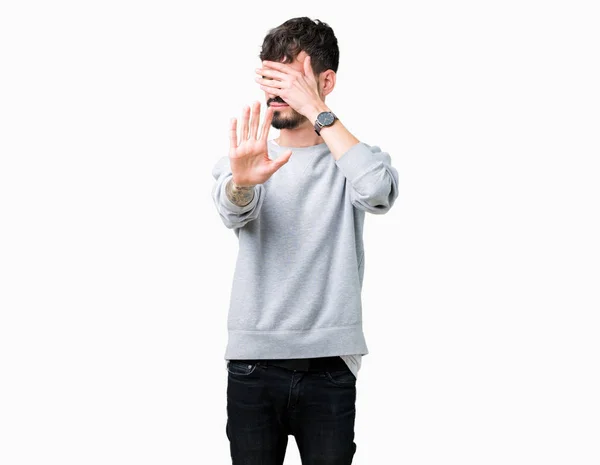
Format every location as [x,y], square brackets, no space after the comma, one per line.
[266,403]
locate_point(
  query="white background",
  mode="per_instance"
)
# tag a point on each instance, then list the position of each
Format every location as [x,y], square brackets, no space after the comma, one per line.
[481,284]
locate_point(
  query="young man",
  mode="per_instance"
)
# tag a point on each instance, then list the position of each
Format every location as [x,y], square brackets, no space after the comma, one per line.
[297,205]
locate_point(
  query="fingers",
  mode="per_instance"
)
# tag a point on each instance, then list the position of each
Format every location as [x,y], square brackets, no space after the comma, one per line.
[272,83]
[233,134]
[264,130]
[254,120]
[271,73]
[244,129]
[273,90]
[283,67]
[249,126]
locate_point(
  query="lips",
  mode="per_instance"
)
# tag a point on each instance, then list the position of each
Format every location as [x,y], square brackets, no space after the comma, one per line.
[277,105]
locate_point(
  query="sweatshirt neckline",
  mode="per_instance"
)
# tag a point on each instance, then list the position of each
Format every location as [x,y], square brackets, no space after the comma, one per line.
[310,147]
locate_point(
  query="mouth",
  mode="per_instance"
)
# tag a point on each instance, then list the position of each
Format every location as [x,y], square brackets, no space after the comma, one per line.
[278,105]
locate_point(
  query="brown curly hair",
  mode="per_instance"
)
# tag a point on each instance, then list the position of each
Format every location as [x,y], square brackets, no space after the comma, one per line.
[316,38]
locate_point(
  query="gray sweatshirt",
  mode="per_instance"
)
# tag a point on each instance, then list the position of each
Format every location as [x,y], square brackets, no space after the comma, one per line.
[297,284]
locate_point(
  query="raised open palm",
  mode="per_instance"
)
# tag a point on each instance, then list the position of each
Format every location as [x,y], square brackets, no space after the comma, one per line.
[248,155]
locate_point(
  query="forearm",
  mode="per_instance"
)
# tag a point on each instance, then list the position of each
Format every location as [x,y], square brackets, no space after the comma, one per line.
[338,139]
[240,196]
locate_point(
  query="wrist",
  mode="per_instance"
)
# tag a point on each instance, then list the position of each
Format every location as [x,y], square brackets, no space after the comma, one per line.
[315,110]
[239,196]
[240,187]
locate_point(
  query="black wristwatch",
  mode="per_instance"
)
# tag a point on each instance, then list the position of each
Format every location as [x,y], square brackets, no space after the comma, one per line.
[324,119]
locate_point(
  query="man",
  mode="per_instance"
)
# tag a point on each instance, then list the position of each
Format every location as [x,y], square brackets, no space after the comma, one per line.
[297,205]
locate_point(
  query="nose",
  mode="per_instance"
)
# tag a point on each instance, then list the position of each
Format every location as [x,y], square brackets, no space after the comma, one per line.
[270,95]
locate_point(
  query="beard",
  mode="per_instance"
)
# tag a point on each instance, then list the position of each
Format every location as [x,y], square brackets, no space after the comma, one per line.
[291,121]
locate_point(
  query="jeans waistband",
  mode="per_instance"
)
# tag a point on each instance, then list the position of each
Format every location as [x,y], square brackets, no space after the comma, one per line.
[303,364]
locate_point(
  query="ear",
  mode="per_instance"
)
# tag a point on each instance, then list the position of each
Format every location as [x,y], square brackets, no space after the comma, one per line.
[327,81]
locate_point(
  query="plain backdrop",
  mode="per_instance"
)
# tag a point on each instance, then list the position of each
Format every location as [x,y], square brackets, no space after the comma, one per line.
[481,291]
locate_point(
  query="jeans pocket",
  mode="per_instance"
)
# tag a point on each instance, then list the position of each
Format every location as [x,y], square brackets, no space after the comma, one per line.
[235,367]
[342,378]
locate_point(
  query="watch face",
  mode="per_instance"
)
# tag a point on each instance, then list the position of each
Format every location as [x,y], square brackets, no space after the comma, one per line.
[326,118]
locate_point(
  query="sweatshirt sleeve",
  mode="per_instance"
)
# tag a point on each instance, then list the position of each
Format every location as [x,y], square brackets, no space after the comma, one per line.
[372,179]
[232,215]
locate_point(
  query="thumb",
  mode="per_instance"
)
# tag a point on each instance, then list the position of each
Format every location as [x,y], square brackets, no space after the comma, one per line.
[308,68]
[281,160]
